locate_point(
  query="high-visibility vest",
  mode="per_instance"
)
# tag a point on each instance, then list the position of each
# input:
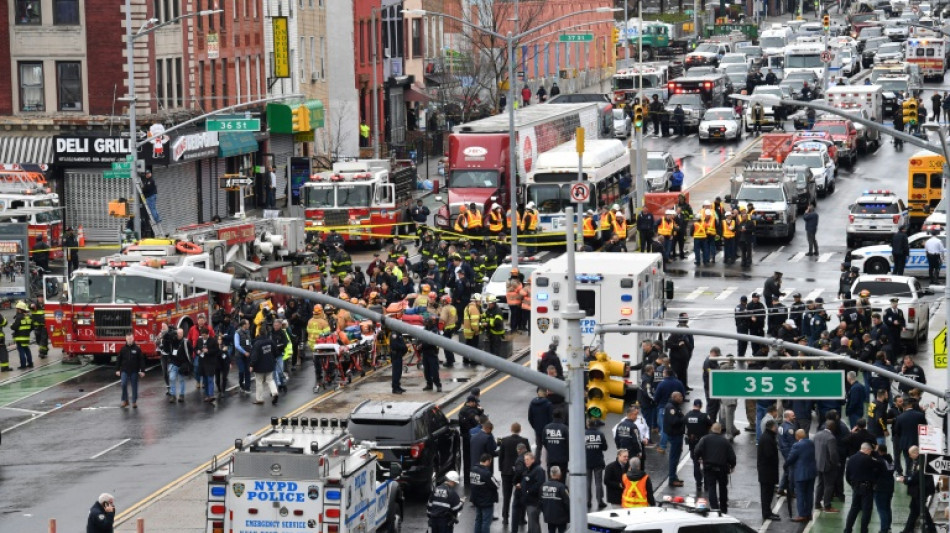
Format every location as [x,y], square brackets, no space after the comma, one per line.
[634,494]
[710,223]
[699,230]
[474,219]
[513,293]
[530,220]
[470,321]
[589,229]
[22,329]
[728,229]
[316,328]
[607,221]
[666,227]
[620,228]
[526,298]
[495,222]
[461,222]
[517,220]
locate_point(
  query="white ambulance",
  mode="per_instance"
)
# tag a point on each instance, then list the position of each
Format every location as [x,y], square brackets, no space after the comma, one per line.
[612,288]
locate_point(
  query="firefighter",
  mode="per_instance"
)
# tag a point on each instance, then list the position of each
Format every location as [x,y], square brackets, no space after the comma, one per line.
[471,325]
[4,355]
[496,220]
[38,317]
[429,248]
[494,324]
[490,259]
[22,327]
[340,262]
[461,221]
[474,220]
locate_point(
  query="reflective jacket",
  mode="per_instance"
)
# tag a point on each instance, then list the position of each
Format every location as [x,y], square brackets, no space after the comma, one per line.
[699,230]
[728,229]
[496,222]
[530,220]
[461,222]
[589,229]
[22,326]
[666,227]
[474,219]
[513,293]
[470,321]
[636,493]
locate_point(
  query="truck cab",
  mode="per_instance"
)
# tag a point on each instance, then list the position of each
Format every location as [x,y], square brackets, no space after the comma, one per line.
[479,173]
[772,195]
[708,53]
[844,135]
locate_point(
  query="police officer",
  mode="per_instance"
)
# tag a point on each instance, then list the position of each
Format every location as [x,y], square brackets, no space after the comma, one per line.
[468,420]
[862,472]
[484,493]
[627,435]
[844,281]
[895,322]
[22,326]
[719,459]
[529,492]
[555,442]
[509,458]
[430,357]
[38,317]
[556,502]
[697,427]
[494,324]
[595,446]
[755,310]
[796,311]
[743,323]
[444,505]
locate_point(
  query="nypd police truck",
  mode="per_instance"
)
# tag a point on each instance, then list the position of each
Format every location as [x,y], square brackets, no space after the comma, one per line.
[303,474]
[624,289]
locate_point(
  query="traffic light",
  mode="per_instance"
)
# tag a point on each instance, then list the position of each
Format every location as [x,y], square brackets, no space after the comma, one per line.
[600,386]
[909,111]
[638,116]
[615,36]
[301,119]
[826,22]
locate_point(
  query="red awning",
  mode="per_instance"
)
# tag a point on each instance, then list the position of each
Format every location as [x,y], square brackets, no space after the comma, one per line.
[412,95]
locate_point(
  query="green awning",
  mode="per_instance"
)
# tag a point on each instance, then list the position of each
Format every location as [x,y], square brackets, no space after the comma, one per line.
[280,115]
[316,113]
[235,143]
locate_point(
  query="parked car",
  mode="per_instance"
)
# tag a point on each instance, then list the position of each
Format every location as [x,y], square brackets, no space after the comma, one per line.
[720,123]
[871,47]
[795,81]
[622,124]
[889,52]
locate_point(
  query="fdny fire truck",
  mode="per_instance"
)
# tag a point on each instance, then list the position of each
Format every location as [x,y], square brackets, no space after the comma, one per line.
[101,303]
[364,200]
[303,474]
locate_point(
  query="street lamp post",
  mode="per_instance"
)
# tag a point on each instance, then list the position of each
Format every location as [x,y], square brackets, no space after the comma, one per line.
[375,85]
[510,39]
[149,26]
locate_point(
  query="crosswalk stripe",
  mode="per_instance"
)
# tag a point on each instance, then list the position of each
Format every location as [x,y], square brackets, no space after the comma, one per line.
[726,293]
[758,290]
[823,258]
[797,257]
[788,293]
[814,294]
[695,294]
[768,258]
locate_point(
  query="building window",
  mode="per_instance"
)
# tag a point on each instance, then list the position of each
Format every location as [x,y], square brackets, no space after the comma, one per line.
[362,38]
[417,37]
[160,82]
[69,85]
[179,95]
[176,9]
[28,12]
[201,82]
[213,75]
[225,100]
[169,82]
[157,10]
[31,87]
[237,78]
[66,12]
[323,57]
[254,7]
[313,59]
[301,58]
[234,7]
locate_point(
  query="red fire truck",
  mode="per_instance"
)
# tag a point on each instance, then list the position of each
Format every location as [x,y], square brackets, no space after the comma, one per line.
[102,303]
[371,194]
[478,163]
[45,221]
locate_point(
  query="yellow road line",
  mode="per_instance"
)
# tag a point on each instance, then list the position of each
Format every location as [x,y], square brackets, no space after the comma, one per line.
[455,411]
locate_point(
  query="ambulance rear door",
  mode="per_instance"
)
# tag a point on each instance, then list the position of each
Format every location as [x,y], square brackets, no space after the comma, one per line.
[277,496]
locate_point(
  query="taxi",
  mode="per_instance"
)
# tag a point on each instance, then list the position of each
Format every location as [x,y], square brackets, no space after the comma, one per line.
[876,215]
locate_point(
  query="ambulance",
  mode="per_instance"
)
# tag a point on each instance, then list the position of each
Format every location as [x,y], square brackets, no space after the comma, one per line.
[302,474]
[612,289]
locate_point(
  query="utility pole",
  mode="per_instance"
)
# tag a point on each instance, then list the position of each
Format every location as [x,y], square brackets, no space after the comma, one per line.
[638,134]
[134,173]
[372,48]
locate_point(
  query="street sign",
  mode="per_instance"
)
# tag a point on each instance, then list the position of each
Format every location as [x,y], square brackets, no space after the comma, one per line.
[929,439]
[233,124]
[940,349]
[232,183]
[826,56]
[126,166]
[575,37]
[117,174]
[580,192]
[936,464]
[767,384]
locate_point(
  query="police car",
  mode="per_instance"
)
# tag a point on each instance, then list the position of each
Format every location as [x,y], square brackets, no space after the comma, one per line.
[876,215]
[667,518]
[814,156]
[879,260]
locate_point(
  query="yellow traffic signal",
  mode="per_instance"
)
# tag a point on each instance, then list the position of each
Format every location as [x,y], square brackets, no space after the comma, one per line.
[301,119]
[826,22]
[615,36]
[909,111]
[601,386]
[638,116]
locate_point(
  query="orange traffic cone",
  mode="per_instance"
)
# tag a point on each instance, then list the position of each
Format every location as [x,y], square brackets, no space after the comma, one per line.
[82,237]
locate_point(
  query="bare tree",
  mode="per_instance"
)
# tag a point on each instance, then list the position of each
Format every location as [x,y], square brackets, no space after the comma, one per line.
[338,131]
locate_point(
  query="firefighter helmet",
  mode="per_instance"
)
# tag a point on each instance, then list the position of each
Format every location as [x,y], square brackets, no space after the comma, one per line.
[447,299]
[21,306]
[490,299]
[476,297]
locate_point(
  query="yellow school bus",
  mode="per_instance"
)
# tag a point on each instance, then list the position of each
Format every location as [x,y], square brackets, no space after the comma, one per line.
[924,172]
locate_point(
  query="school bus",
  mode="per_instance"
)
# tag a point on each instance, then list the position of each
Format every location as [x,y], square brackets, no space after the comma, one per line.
[924,173]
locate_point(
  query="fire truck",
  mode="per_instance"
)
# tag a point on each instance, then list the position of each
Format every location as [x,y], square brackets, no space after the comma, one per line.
[303,474]
[18,180]
[478,169]
[656,76]
[41,221]
[101,303]
[930,53]
[365,200]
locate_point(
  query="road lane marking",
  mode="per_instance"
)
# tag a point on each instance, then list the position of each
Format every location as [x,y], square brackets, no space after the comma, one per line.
[109,449]
[727,293]
[695,294]
[776,509]
[60,406]
[768,258]
[20,409]
[814,294]
[797,257]
[788,292]
[823,258]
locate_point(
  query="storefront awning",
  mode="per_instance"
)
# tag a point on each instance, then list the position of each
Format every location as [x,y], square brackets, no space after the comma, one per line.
[19,149]
[236,143]
[413,95]
[280,116]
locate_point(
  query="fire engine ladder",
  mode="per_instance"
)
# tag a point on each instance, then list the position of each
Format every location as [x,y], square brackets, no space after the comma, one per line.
[157,228]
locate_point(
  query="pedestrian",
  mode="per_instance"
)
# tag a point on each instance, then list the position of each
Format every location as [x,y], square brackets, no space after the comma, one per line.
[529,490]
[556,443]
[803,470]
[913,479]
[679,120]
[444,505]
[757,114]
[419,214]
[272,188]
[862,472]
[71,244]
[556,502]
[129,367]
[525,95]
[150,192]
[719,460]
[811,230]
[542,94]
[262,363]
[468,420]
[674,425]
[179,366]
[101,515]
[595,446]
[786,439]
[613,474]
[555,90]
[540,414]
[40,254]
[676,179]
[884,488]
[697,427]
[242,354]
[430,358]
[507,458]
[397,349]
[743,323]
[645,226]
[827,460]
[935,252]
[680,346]
[856,397]
[518,507]
[637,487]
[900,250]
[767,467]
[208,355]
[22,326]
[484,493]
[656,114]
[905,432]
[484,443]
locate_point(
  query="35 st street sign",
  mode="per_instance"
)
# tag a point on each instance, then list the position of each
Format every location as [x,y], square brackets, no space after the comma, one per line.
[767,384]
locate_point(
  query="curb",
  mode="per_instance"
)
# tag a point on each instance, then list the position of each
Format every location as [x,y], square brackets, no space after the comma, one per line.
[747,148]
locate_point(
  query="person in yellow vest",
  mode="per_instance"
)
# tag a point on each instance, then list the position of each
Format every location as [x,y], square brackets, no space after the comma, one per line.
[530,222]
[513,298]
[620,226]
[637,487]
[474,220]
[729,239]
[517,219]
[606,225]
[496,221]
[448,324]
[712,229]
[589,229]
[317,327]
[471,325]
[461,221]
[526,305]
[22,326]
[700,254]
[666,230]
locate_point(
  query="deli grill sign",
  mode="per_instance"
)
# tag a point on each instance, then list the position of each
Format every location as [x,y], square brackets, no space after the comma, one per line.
[75,151]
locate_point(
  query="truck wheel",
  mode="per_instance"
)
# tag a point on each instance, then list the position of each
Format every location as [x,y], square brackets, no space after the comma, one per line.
[393,517]
[647,54]
[791,233]
[850,242]
[877,266]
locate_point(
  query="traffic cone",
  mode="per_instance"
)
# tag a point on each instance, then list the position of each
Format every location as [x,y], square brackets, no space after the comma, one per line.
[82,237]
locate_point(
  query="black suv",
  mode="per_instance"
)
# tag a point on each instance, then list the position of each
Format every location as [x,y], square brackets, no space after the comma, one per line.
[415,435]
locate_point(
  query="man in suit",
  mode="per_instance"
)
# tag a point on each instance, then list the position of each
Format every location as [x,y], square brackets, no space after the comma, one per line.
[507,459]
[826,461]
[905,431]
[767,467]
[802,467]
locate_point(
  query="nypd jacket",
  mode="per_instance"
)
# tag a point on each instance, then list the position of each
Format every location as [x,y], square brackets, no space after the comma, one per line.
[555,502]
[484,489]
[444,503]
[555,442]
